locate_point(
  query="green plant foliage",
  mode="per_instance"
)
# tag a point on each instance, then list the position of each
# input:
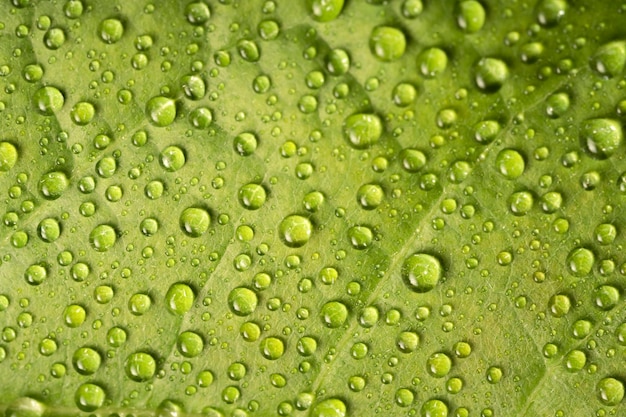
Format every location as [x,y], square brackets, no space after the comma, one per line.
[312,208]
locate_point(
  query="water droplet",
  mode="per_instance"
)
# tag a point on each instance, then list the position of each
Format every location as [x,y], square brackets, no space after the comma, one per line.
[580,262]
[362,130]
[35,274]
[439,365]
[8,156]
[295,231]
[111,30]
[550,12]
[338,62]
[557,104]
[370,196]
[179,298]
[360,237]
[139,304]
[432,62]
[521,202]
[331,407]
[201,118]
[242,301]
[413,160]
[52,185]
[49,230]
[407,341]
[486,131]
[116,336]
[494,374]
[102,238]
[74,315]
[601,137]
[470,16]
[387,43]
[89,397]
[606,297]
[54,38]
[193,86]
[245,143]
[434,408]
[48,100]
[559,305]
[197,13]
[421,272]
[82,113]
[161,111]
[324,10]
[605,233]
[86,361]
[610,391]
[491,74]
[189,344]
[369,316]
[140,366]
[172,158]
[248,50]
[575,360]
[272,348]
[73,9]
[195,221]
[334,314]
[252,196]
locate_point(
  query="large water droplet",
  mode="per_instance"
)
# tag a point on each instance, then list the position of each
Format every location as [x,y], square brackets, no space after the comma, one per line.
[334,314]
[52,184]
[295,231]
[324,10]
[601,137]
[8,156]
[421,272]
[580,262]
[89,397]
[179,298]
[161,111]
[387,43]
[195,221]
[491,74]
[140,366]
[102,238]
[610,391]
[331,407]
[48,100]
[242,301]
[362,130]
[470,16]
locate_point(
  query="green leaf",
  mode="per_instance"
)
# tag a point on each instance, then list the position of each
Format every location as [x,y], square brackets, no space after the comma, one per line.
[312,208]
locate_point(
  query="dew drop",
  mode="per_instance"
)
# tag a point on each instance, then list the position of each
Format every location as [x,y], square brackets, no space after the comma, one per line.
[86,361]
[242,301]
[601,137]
[362,130]
[172,158]
[272,348]
[48,100]
[324,10]
[8,156]
[189,344]
[421,272]
[491,74]
[470,16]
[610,391]
[195,221]
[140,366]
[111,30]
[295,231]
[252,196]
[53,184]
[197,13]
[102,238]
[331,407]
[559,305]
[432,61]
[360,237]
[161,111]
[387,43]
[82,113]
[179,298]
[334,314]
[89,397]
[580,262]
